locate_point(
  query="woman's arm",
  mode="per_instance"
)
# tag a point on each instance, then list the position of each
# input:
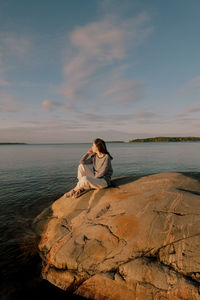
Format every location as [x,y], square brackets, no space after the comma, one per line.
[85,160]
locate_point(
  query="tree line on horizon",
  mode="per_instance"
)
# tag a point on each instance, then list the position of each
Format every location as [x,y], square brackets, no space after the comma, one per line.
[166,139]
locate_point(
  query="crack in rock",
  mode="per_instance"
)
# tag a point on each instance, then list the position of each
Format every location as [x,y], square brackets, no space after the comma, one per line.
[174,242]
[175,213]
[103,211]
[145,283]
[110,231]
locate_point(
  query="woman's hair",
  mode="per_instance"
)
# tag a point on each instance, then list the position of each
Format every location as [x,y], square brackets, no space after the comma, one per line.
[101,145]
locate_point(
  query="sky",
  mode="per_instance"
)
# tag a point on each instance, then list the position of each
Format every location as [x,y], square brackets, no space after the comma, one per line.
[75,70]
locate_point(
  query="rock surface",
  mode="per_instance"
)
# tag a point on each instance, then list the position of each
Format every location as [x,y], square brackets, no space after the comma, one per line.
[139,240]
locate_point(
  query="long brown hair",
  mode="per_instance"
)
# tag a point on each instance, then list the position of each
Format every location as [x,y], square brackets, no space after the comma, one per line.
[101,145]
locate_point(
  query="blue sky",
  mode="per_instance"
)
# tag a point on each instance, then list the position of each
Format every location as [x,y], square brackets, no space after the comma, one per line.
[71,71]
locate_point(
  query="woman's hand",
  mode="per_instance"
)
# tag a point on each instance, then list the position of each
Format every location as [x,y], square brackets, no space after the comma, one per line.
[90,151]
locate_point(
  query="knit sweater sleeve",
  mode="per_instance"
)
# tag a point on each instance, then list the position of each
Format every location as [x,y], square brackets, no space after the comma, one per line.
[86,159]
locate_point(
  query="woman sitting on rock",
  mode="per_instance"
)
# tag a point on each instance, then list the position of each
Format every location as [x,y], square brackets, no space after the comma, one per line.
[100,177]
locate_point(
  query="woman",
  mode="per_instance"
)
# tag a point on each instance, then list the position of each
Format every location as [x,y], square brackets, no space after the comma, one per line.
[100,176]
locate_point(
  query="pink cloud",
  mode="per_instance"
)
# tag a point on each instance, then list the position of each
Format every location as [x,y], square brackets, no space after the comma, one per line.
[102,39]
[49,105]
[80,68]
[196,79]
[96,47]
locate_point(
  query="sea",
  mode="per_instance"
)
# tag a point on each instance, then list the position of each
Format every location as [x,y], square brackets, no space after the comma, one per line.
[32,177]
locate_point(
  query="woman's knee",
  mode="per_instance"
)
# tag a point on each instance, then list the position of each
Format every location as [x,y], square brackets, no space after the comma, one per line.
[83,169]
[83,178]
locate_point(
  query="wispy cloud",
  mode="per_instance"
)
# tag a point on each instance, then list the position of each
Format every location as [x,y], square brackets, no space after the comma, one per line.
[49,105]
[92,117]
[97,48]
[125,91]
[54,123]
[4,83]
[190,87]
[116,117]
[196,81]
[14,50]
[66,135]
[8,103]
[193,109]
[12,45]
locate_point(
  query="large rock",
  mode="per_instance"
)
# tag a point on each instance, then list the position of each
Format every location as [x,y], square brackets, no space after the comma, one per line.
[139,240]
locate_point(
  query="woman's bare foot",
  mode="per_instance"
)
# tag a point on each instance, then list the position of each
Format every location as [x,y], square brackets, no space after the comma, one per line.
[70,193]
[79,192]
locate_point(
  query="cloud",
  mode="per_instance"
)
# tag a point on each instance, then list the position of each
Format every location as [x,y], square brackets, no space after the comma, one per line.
[53,123]
[189,113]
[12,45]
[113,118]
[8,103]
[32,135]
[102,40]
[4,83]
[193,109]
[62,131]
[125,91]
[14,50]
[196,81]
[49,105]
[191,87]
[88,126]
[17,45]
[98,48]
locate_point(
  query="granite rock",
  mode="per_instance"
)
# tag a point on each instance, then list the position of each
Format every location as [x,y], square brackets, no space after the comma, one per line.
[138,240]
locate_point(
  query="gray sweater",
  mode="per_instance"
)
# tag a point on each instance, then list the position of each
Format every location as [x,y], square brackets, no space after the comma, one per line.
[102,167]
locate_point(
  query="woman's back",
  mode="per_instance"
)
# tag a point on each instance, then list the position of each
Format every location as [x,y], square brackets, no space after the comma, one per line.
[102,167]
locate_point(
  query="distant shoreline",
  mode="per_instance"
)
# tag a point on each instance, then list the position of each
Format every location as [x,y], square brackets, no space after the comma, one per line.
[56,143]
[145,140]
[13,144]
[166,139]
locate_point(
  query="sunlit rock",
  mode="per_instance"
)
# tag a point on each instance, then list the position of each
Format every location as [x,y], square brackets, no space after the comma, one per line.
[138,240]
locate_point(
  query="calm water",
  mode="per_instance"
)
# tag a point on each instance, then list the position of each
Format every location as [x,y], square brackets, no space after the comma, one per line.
[33,176]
